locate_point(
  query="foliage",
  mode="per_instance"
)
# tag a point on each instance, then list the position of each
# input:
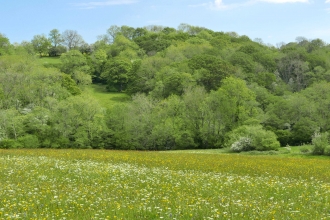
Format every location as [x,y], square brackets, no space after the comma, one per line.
[320,142]
[55,38]
[175,88]
[5,47]
[56,51]
[72,61]
[210,70]
[41,44]
[252,137]
[242,144]
[29,141]
[75,64]
[116,72]
[9,144]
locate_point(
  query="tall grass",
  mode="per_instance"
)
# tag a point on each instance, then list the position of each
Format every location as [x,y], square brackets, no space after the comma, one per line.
[86,184]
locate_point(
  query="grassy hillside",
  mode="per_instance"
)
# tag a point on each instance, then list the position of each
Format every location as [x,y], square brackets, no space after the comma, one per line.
[98,91]
[50,61]
[106,99]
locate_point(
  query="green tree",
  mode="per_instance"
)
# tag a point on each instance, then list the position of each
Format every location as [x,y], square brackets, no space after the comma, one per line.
[210,116]
[194,99]
[152,43]
[244,61]
[79,119]
[26,84]
[143,79]
[41,44]
[293,72]
[123,46]
[99,58]
[294,119]
[116,72]
[112,33]
[127,31]
[233,104]
[57,51]
[210,70]
[171,130]
[4,45]
[170,81]
[75,64]
[25,47]
[55,37]
[11,124]
[132,124]
[318,97]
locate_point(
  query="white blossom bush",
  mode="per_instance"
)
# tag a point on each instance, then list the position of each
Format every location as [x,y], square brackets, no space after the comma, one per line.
[242,144]
[252,137]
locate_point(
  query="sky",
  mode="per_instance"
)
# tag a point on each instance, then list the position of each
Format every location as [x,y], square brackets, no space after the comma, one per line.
[273,21]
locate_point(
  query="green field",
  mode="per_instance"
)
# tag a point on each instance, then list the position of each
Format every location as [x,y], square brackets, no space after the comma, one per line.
[106,99]
[50,60]
[97,184]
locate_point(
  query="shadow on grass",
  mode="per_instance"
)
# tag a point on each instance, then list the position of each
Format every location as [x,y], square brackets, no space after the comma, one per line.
[99,88]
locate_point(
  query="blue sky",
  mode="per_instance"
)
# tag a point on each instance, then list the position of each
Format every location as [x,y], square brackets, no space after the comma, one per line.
[273,21]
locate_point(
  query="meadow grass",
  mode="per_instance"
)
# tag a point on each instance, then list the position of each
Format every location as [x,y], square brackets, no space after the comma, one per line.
[106,99]
[98,184]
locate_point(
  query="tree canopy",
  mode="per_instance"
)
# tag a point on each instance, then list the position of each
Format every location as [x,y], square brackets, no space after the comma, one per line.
[190,87]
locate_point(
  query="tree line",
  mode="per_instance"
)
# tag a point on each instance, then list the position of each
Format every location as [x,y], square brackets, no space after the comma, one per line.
[191,87]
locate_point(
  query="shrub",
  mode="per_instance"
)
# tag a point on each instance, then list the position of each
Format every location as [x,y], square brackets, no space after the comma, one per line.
[252,137]
[319,142]
[268,141]
[242,144]
[304,150]
[9,144]
[61,143]
[29,141]
[327,150]
[284,137]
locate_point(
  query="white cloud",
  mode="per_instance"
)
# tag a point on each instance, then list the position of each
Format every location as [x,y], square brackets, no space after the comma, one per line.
[327,9]
[90,5]
[220,5]
[286,1]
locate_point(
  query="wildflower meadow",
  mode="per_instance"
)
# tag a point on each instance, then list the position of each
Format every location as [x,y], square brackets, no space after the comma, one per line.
[98,184]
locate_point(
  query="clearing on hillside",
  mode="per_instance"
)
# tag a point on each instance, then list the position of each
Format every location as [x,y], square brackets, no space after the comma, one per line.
[106,99]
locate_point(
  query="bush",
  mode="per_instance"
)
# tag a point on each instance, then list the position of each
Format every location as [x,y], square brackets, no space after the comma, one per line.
[29,141]
[304,150]
[252,137]
[242,144]
[268,141]
[319,142]
[327,150]
[61,143]
[9,144]
[284,137]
